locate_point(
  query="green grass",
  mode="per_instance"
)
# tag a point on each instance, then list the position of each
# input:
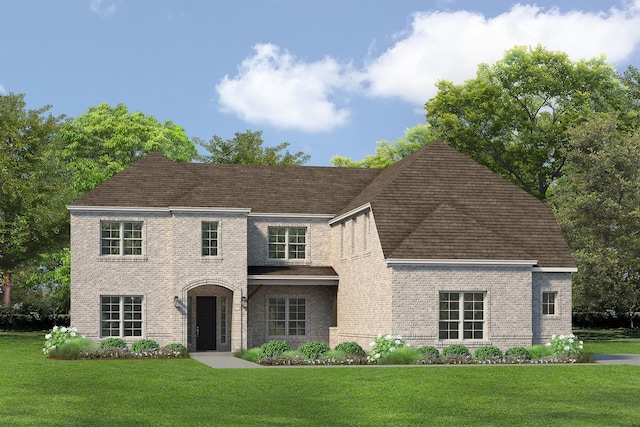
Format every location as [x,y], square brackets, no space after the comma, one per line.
[610,341]
[38,391]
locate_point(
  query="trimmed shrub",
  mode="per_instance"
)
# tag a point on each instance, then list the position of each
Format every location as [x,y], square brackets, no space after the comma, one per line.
[539,351]
[250,355]
[144,345]
[518,353]
[313,349]
[455,350]
[401,356]
[351,348]
[273,348]
[75,348]
[487,353]
[177,348]
[112,343]
[429,352]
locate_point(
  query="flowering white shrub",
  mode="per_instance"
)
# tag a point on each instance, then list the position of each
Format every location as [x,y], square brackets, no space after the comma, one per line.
[383,345]
[58,336]
[565,344]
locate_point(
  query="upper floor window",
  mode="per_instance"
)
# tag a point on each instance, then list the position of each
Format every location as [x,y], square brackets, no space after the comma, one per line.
[287,242]
[120,238]
[549,302]
[209,239]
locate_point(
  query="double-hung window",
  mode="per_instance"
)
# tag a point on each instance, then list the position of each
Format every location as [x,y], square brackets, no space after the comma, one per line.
[120,238]
[287,242]
[209,239]
[287,316]
[549,303]
[121,316]
[461,315]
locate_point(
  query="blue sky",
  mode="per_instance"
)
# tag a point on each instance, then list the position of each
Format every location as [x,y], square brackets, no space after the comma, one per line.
[331,77]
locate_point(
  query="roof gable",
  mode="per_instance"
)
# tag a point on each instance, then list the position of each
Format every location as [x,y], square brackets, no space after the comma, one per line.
[466,202]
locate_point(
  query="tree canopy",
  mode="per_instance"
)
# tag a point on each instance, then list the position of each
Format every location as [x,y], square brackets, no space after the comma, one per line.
[597,204]
[388,153]
[514,115]
[247,148]
[105,140]
[33,193]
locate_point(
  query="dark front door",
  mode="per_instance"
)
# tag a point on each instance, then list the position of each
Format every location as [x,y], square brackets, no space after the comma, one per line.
[205,323]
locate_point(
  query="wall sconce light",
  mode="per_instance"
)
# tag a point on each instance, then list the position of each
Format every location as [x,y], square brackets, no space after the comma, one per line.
[176,301]
[244,299]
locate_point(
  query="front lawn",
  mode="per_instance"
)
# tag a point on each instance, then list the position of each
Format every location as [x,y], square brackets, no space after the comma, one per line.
[610,341]
[38,391]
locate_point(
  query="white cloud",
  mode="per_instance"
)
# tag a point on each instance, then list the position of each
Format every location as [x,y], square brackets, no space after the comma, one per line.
[450,45]
[276,88]
[2,89]
[98,6]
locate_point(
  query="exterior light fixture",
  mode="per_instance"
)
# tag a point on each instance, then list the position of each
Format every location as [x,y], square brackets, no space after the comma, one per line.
[244,299]
[176,301]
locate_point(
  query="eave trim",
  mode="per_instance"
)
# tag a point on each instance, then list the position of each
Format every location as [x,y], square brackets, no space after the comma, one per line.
[555,270]
[350,213]
[469,262]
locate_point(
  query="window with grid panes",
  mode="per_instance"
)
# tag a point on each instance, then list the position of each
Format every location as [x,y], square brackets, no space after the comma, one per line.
[461,315]
[209,239]
[287,316]
[287,242]
[121,316]
[120,238]
[549,302]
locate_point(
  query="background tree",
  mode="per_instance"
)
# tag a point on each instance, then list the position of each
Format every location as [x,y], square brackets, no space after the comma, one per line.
[33,193]
[514,115]
[105,140]
[247,148]
[388,153]
[597,204]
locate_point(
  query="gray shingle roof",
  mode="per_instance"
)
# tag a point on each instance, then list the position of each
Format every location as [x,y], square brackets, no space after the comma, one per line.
[435,204]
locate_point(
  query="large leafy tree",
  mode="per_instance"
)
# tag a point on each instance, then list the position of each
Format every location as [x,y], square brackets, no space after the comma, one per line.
[33,188]
[513,116]
[597,203]
[105,140]
[247,148]
[388,153]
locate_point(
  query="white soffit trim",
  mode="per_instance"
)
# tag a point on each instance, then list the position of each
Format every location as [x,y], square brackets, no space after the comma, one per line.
[555,270]
[351,212]
[289,277]
[499,262]
[290,215]
[187,209]
[115,209]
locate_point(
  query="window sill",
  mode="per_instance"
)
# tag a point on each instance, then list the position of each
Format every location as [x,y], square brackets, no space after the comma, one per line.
[132,258]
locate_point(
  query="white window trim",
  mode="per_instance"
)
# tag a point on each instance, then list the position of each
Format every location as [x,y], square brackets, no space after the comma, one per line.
[122,320]
[555,303]
[286,315]
[485,317]
[287,243]
[219,245]
[122,256]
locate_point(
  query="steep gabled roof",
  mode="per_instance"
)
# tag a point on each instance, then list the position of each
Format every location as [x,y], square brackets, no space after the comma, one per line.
[440,204]
[435,204]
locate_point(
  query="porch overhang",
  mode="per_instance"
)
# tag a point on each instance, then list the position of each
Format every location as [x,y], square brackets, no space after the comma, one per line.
[301,275]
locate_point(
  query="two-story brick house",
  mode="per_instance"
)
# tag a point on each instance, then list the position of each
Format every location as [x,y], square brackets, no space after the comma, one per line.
[435,248]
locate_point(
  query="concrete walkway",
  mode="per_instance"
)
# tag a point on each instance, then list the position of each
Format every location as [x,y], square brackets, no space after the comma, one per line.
[226,360]
[617,359]
[222,360]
